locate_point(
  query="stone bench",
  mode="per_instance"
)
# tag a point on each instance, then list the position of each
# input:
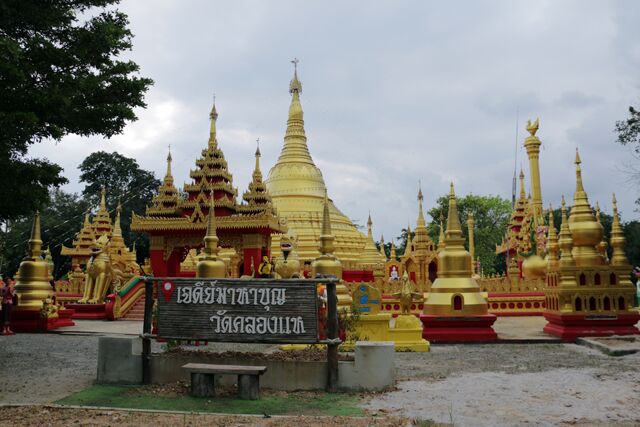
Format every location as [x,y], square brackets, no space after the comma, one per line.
[203,379]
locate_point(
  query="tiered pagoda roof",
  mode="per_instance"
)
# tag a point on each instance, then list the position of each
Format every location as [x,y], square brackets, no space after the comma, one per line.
[102,221]
[165,203]
[518,230]
[370,255]
[257,199]
[82,243]
[211,174]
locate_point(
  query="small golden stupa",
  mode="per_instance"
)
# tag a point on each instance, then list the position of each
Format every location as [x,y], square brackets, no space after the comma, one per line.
[455,309]
[211,265]
[33,286]
[298,190]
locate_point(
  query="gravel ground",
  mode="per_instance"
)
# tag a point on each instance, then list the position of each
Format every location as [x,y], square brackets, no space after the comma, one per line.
[467,385]
[515,385]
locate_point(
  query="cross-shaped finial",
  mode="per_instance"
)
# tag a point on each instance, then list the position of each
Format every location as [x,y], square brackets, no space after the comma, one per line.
[295,61]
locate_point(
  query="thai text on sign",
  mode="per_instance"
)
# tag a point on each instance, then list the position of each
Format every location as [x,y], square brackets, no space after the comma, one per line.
[238,310]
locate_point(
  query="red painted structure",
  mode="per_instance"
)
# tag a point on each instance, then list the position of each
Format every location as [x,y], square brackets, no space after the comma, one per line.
[569,327]
[445,329]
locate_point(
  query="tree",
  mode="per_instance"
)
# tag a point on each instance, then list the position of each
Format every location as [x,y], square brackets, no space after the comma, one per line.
[491,214]
[59,74]
[124,183]
[61,219]
[629,130]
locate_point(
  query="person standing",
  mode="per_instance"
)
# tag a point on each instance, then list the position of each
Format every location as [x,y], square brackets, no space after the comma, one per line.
[7,296]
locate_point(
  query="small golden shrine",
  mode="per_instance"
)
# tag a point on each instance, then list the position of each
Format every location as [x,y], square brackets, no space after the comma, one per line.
[420,259]
[177,225]
[586,294]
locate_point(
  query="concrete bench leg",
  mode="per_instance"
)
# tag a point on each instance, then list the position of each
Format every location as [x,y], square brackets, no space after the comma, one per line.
[203,385]
[249,387]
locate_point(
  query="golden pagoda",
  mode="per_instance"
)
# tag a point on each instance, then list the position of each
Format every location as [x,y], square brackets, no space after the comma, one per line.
[371,257]
[80,252]
[586,295]
[256,199]
[102,221]
[33,285]
[455,293]
[420,259]
[211,265]
[298,189]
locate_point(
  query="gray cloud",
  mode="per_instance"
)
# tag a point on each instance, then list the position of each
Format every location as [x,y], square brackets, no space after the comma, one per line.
[392,93]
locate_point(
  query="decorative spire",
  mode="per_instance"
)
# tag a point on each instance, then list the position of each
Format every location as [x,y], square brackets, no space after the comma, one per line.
[168,178]
[369,226]
[618,257]
[35,242]
[552,243]
[565,241]
[421,222]
[441,238]
[579,186]
[295,140]
[326,238]
[211,239]
[470,229]
[602,246]
[257,198]
[523,193]
[213,116]
[382,251]
[117,231]
[392,252]
[103,202]
[453,235]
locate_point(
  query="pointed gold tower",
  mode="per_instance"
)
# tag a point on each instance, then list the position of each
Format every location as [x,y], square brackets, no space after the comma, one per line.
[298,189]
[102,221]
[166,201]
[455,293]
[33,285]
[211,265]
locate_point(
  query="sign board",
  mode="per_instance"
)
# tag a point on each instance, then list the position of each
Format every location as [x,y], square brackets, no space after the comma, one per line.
[237,310]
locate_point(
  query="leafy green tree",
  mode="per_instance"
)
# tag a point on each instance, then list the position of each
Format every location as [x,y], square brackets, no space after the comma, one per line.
[61,219]
[126,183]
[491,214]
[59,74]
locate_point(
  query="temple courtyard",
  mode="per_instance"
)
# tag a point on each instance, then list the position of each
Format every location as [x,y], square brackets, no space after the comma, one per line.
[526,379]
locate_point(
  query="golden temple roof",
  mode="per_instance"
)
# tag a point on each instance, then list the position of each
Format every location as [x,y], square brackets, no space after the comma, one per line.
[297,190]
[82,242]
[370,255]
[102,220]
[257,198]
[167,199]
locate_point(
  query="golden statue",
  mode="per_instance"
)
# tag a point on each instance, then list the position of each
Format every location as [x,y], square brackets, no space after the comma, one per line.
[264,269]
[289,266]
[406,294]
[99,273]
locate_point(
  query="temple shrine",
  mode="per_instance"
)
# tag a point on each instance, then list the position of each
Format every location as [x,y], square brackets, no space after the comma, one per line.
[587,294]
[176,225]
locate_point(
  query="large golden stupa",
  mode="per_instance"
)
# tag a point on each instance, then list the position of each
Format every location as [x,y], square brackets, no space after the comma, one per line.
[297,190]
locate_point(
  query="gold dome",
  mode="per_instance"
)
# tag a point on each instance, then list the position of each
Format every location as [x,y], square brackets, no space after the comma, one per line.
[297,189]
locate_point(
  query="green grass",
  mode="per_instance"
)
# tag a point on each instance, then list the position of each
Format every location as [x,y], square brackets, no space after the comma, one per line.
[287,404]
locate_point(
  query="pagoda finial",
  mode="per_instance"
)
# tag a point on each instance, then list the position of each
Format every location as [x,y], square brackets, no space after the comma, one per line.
[213,117]
[552,243]
[565,241]
[169,159]
[421,222]
[454,229]
[579,186]
[369,223]
[35,242]
[392,252]
[618,257]
[257,168]
[295,85]
[441,237]
[523,193]
[117,231]
[326,217]
[533,128]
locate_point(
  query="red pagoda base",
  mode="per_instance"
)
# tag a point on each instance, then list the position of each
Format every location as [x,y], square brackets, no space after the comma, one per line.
[568,327]
[88,311]
[443,329]
[30,321]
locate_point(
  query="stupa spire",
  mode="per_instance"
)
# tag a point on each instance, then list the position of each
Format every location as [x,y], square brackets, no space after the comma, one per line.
[103,202]
[211,265]
[295,140]
[523,193]
[618,257]
[421,222]
[326,238]
[117,231]
[35,241]
[213,117]
[565,241]
[168,178]
[327,264]
[453,235]
[552,243]
[441,237]
[602,246]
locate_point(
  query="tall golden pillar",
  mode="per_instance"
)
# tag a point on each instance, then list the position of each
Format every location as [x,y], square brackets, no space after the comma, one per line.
[211,265]
[455,310]
[532,145]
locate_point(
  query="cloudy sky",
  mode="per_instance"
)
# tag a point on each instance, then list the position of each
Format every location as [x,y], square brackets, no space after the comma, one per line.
[393,93]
